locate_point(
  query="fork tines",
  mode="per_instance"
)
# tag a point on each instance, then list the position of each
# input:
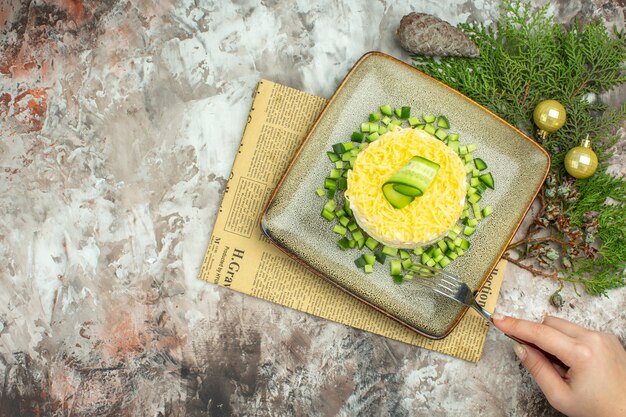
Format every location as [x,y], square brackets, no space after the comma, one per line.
[436,278]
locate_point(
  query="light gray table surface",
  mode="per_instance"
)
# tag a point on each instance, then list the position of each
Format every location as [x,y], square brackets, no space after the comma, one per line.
[119,123]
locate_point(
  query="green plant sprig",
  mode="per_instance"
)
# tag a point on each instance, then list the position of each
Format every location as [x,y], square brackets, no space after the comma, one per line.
[525,58]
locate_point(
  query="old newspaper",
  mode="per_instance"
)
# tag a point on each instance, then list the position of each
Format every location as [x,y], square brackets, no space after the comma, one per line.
[241,258]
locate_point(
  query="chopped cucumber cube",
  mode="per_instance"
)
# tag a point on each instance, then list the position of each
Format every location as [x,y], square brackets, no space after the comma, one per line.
[487,179]
[443,122]
[476,210]
[365,127]
[395,266]
[330,205]
[480,164]
[442,245]
[472,222]
[407,263]
[474,198]
[320,192]
[343,221]
[346,207]
[348,146]
[471,147]
[441,134]
[373,136]
[382,130]
[357,137]
[371,243]
[487,210]
[352,226]
[388,250]
[374,117]
[414,121]
[475,172]
[386,120]
[430,129]
[328,215]
[339,229]
[428,118]
[368,269]
[360,262]
[465,244]
[444,262]
[398,112]
[338,148]
[380,257]
[418,250]
[469,230]
[463,150]
[405,112]
[453,144]
[344,243]
[386,110]
[358,235]
[369,258]
[332,156]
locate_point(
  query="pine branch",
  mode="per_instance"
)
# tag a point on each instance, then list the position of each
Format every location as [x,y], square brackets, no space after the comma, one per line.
[525,58]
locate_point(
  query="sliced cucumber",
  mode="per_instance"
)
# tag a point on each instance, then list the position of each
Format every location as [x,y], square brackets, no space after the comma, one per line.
[410,181]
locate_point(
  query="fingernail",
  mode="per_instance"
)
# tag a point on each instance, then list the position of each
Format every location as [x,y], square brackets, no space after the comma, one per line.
[520,351]
[497,316]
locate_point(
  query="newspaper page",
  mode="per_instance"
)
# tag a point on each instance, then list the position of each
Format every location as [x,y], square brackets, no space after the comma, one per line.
[239,256]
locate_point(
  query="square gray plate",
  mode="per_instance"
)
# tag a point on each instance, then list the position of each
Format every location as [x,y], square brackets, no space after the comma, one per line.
[292,217]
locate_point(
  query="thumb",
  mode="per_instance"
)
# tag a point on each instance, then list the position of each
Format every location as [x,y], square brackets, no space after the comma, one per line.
[545,374]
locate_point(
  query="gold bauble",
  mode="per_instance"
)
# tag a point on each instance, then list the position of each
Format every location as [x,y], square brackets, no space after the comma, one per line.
[581,161]
[549,116]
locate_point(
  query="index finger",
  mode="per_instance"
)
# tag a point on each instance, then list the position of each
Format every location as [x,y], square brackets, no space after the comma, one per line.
[547,338]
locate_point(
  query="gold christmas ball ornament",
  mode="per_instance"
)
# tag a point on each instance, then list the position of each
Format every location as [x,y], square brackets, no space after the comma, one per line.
[549,116]
[581,161]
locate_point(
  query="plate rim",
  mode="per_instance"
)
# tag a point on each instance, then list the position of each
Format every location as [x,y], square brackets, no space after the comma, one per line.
[331,100]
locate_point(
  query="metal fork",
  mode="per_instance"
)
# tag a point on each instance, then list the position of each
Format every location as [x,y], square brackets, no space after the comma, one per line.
[450,286]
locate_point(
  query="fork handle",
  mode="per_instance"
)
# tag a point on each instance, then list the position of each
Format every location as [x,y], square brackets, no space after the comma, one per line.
[487,316]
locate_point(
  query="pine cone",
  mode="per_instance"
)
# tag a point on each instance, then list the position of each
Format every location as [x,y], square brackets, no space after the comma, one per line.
[425,34]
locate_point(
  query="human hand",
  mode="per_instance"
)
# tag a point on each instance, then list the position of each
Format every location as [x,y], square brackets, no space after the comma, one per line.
[595,383]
